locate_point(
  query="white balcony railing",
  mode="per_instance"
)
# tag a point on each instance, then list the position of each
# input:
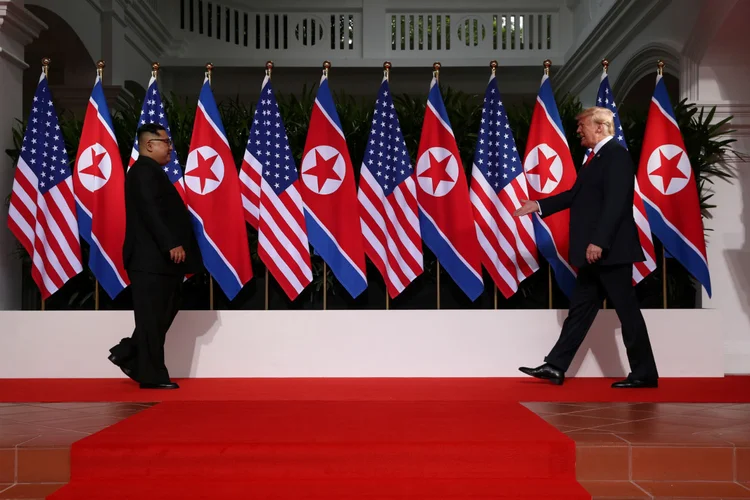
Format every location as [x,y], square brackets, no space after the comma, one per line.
[363,31]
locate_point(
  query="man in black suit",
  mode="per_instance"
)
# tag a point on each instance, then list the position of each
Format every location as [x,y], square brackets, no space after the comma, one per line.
[604,245]
[159,249]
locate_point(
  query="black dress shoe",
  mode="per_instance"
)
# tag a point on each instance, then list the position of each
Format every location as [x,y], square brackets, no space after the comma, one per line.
[632,383]
[545,372]
[167,385]
[119,363]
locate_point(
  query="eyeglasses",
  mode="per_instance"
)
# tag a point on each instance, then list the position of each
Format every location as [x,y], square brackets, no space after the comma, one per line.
[167,141]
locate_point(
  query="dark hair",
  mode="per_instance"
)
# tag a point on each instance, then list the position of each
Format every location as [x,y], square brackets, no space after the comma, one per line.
[149,128]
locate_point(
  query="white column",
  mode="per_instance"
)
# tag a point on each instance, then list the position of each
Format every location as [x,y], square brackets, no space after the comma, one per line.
[18,27]
[114,45]
[373,30]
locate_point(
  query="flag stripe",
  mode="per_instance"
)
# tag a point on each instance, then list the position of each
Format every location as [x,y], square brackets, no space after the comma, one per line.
[40,214]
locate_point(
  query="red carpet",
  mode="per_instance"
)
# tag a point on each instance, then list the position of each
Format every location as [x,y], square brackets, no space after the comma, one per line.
[734,389]
[326,449]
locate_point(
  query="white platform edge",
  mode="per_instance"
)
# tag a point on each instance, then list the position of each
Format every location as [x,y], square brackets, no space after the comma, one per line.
[446,343]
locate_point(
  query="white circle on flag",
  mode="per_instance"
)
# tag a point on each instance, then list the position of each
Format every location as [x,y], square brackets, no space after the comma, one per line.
[323,169]
[94,167]
[437,171]
[666,176]
[543,178]
[204,170]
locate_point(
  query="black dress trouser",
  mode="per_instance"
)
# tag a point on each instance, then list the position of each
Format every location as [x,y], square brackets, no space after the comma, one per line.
[592,285]
[156,301]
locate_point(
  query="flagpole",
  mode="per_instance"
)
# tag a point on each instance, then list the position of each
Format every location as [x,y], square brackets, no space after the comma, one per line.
[549,282]
[387,75]
[100,73]
[493,69]
[605,68]
[269,69]
[664,288]
[209,69]
[45,69]
[436,73]
[664,276]
[325,285]
[326,67]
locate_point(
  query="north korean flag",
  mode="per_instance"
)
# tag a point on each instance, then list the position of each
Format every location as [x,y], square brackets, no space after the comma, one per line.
[99,187]
[550,171]
[446,216]
[669,188]
[213,198]
[330,195]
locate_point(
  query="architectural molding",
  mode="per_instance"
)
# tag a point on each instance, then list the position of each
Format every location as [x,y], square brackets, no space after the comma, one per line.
[643,63]
[18,23]
[689,78]
[148,26]
[617,28]
[13,59]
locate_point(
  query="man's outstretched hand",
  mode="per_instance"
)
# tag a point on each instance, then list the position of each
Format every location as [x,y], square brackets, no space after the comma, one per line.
[177,255]
[528,207]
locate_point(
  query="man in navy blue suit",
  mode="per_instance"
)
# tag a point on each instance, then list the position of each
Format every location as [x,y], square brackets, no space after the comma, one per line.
[604,244]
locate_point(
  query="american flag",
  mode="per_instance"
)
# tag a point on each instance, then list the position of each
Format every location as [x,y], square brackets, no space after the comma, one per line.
[388,200]
[282,232]
[605,98]
[250,173]
[42,212]
[153,111]
[498,185]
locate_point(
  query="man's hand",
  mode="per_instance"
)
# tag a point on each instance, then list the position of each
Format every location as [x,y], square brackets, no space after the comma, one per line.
[593,253]
[528,207]
[177,254]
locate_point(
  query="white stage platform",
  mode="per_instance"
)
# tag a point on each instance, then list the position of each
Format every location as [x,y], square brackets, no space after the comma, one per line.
[445,343]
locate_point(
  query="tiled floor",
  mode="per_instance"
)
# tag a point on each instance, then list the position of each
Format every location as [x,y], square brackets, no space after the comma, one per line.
[657,450]
[35,442]
[624,450]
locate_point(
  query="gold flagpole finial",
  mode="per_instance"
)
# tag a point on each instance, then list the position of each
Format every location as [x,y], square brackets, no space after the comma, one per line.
[269,68]
[387,70]
[660,67]
[493,67]
[209,69]
[326,67]
[605,65]
[100,64]
[155,69]
[547,64]
[436,70]
[45,66]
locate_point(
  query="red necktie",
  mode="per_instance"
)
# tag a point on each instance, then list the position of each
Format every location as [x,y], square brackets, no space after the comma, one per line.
[588,160]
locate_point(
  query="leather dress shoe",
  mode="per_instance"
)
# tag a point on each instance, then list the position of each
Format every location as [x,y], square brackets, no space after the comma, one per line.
[165,385]
[119,363]
[632,383]
[545,372]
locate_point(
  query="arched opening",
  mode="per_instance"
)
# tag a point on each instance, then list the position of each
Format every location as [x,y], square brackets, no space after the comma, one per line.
[72,66]
[637,101]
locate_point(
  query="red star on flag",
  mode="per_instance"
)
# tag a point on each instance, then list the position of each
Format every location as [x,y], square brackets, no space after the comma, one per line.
[437,171]
[543,169]
[95,169]
[203,170]
[668,169]
[323,169]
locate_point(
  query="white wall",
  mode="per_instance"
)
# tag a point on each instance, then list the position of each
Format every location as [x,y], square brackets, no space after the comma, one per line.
[393,343]
[722,81]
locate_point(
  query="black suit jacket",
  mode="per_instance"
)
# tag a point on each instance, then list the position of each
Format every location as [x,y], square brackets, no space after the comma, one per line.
[156,222]
[601,208]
